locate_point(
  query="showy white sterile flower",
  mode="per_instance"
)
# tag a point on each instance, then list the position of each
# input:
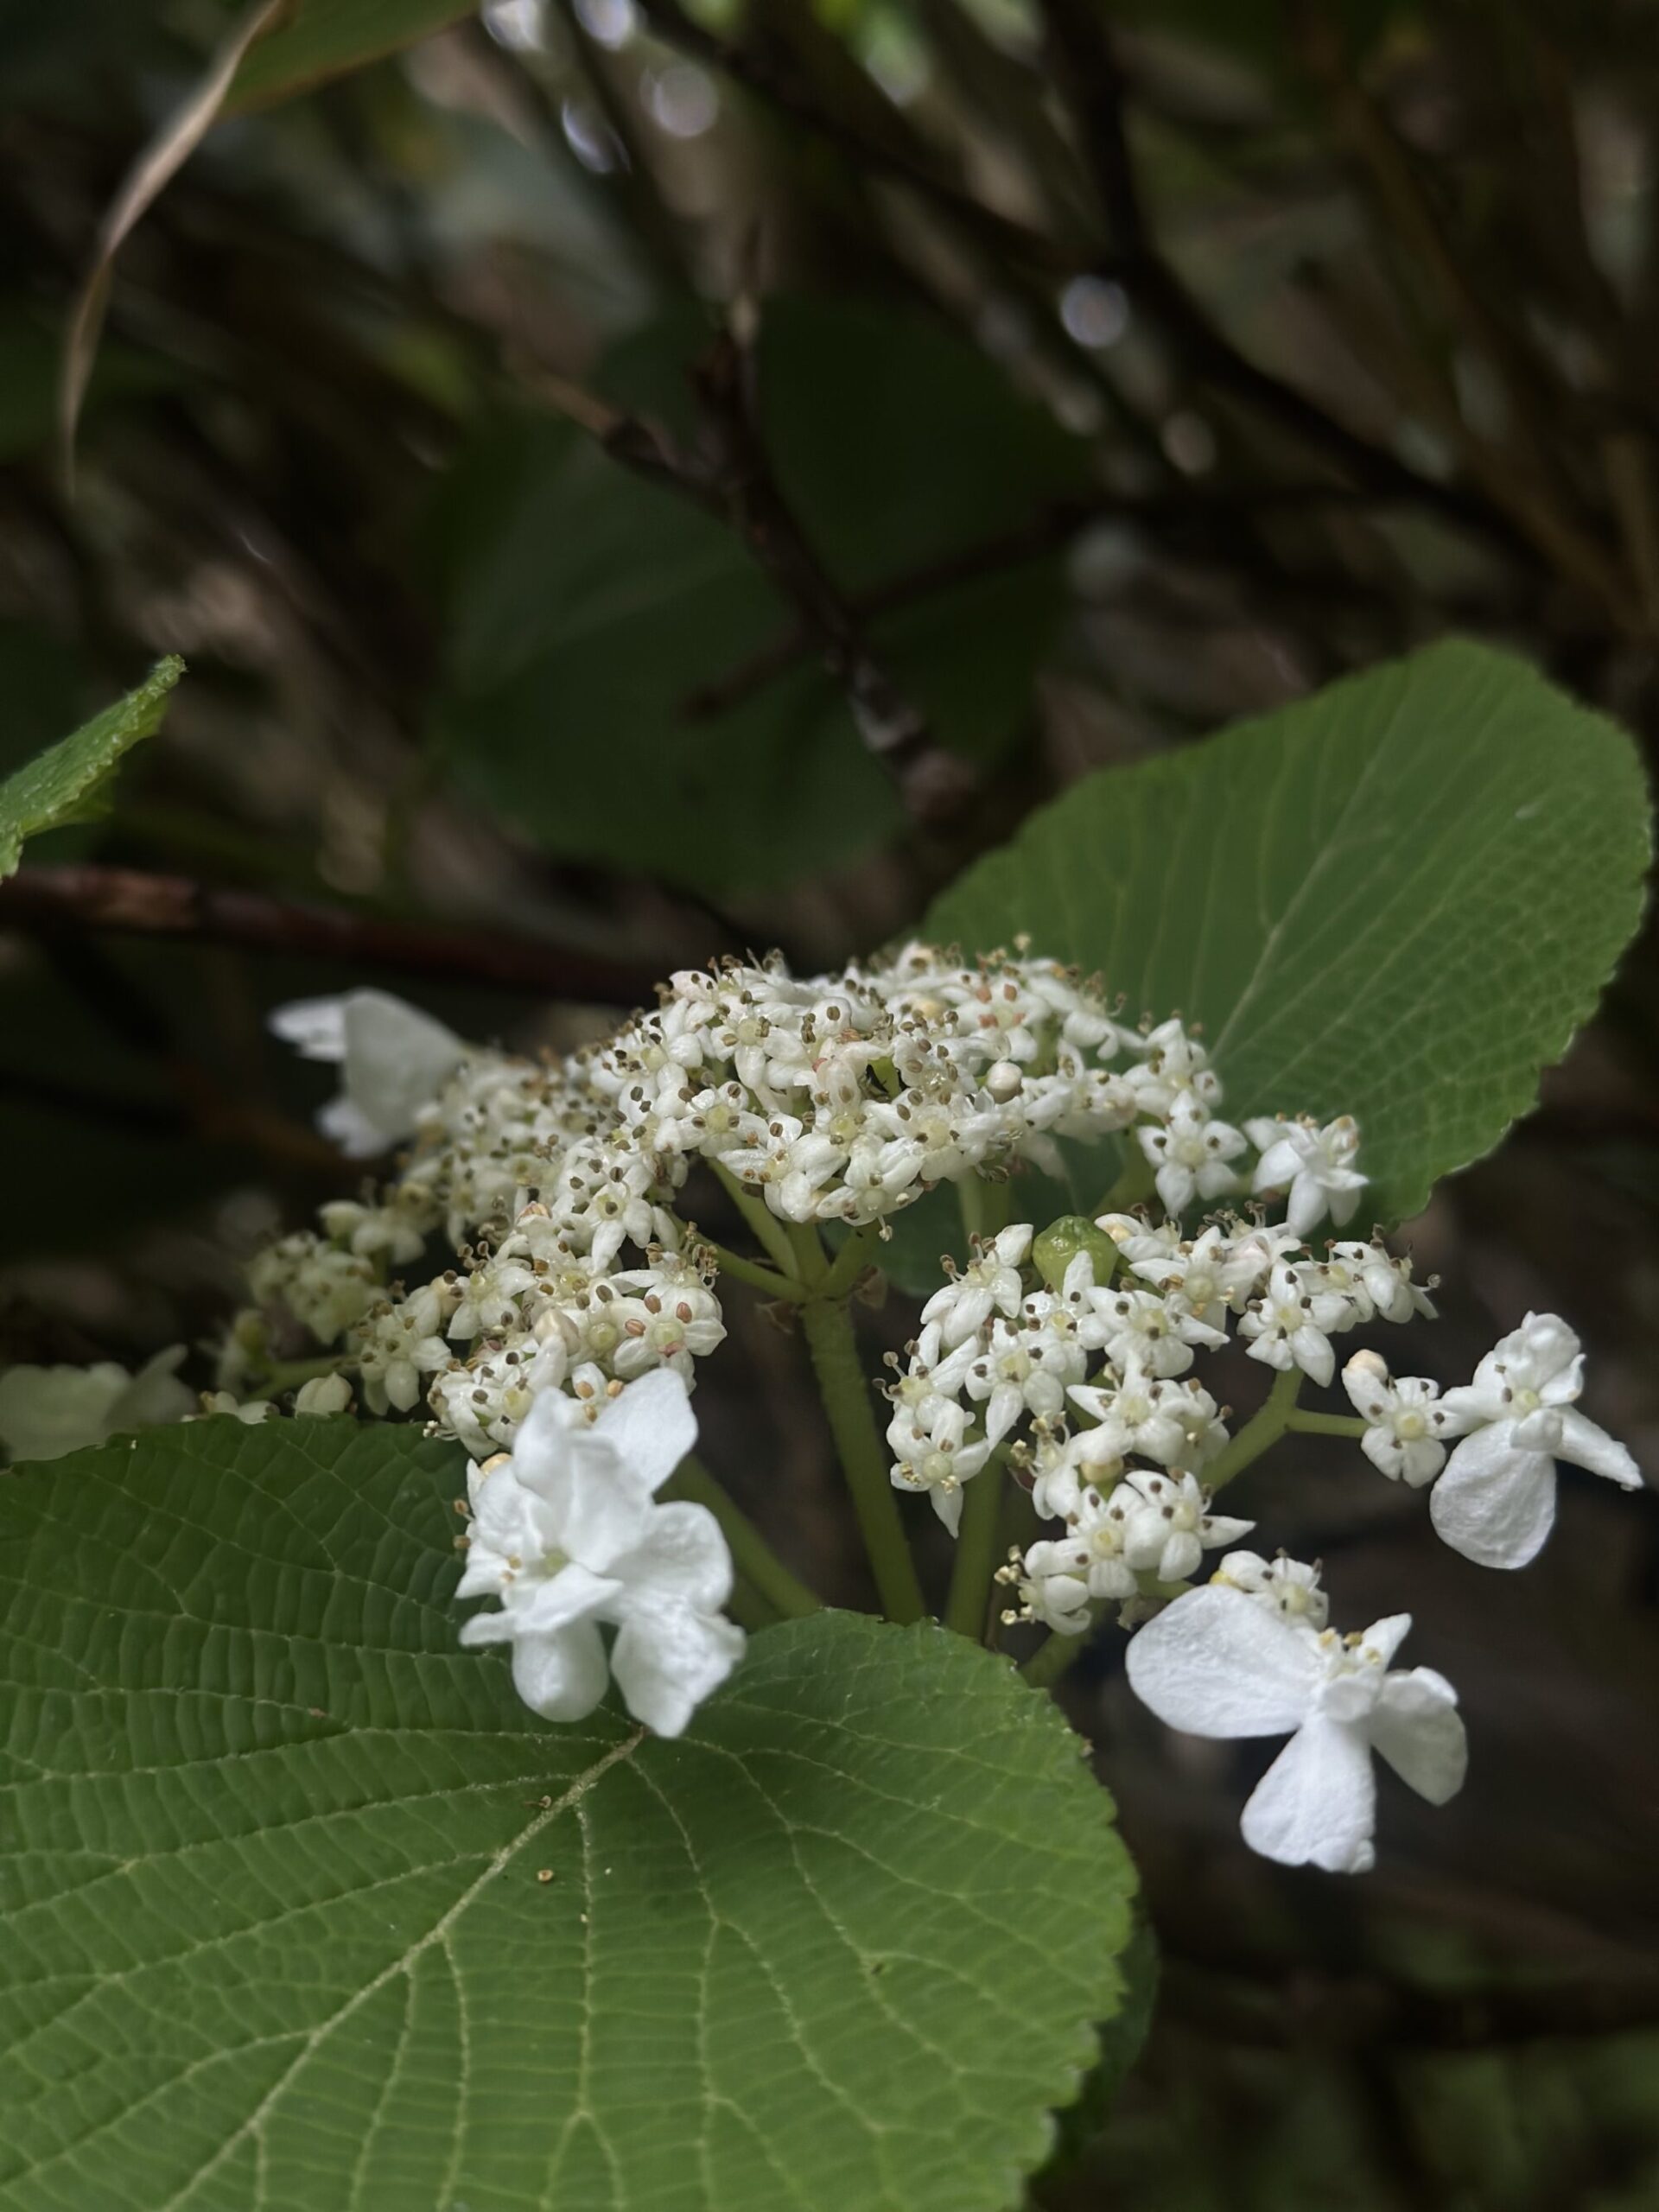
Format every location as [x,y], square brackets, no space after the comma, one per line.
[567,1532]
[1496,1502]
[1315,1166]
[46,1411]
[1405,1422]
[1218,1662]
[394,1060]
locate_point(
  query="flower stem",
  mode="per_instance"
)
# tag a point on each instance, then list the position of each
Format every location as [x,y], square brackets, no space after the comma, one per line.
[768,1231]
[751,1555]
[976,1550]
[1325,1424]
[1052,1658]
[751,1271]
[850,1262]
[1134,1183]
[1258,1434]
[828,1331]
[807,1261]
[985,1206]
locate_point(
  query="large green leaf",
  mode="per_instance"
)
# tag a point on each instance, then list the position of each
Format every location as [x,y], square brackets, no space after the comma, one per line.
[324,38]
[588,609]
[65,783]
[276,1929]
[1397,900]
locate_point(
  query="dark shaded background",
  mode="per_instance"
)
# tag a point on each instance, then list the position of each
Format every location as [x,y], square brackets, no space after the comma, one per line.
[1120,371]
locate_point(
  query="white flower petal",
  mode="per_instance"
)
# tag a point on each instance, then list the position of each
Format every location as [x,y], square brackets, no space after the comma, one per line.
[1590,1448]
[651,1427]
[1546,1343]
[349,1128]
[397,1059]
[1317,1803]
[1306,1206]
[561,1676]
[1495,1502]
[1417,1728]
[667,1659]
[541,1604]
[315,1027]
[683,1558]
[1216,1663]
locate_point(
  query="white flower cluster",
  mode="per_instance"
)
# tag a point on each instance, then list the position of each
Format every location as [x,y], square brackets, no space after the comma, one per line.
[581,1297]
[1098,1369]
[1085,1385]
[831,1098]
[558,1185]
[1079,1372]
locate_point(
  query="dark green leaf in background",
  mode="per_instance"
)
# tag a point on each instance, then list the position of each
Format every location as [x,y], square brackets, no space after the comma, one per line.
[276,1929]
[588,609]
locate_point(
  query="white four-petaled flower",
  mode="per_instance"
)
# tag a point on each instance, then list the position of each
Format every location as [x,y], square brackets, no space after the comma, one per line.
[1496,1502]
[567,1532]
[1218,1662]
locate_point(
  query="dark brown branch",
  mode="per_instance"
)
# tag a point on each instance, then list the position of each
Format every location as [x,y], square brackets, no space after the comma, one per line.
[41,900]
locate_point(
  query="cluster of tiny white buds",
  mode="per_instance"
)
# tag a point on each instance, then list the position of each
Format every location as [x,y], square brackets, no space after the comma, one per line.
[838,1099]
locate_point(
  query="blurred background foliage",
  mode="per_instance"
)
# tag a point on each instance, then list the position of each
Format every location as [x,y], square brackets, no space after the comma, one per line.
[632,481]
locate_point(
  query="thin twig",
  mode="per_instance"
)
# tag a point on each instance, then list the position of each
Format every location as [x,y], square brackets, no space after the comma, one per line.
[731,477]
[1087,70]
[45,900]
[1522,479]
[933,784]
[1044,533]
[757,69]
